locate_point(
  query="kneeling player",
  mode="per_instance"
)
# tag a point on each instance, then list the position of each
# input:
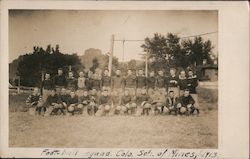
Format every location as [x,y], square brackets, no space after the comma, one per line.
[158,102]
[94,98]
[104,104]
[34,103]
[54,104]
[171,104]
[72,105]
[144,102]
[128,106]
[84,102]
[116,103]
[186,104]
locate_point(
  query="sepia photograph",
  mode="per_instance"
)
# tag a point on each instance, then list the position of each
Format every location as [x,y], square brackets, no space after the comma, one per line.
[113,78]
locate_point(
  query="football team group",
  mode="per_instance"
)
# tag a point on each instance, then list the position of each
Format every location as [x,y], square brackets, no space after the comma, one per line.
[101,95]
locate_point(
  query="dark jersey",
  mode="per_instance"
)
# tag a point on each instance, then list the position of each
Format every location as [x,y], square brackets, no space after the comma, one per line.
[53,99]
[141,81]
[143,98]
[186,100]
[192,83]
[106,81]
[47,84]
[64,97]
[84,99]
[117,82]
[72,83]
[151,81]
[105,100]
[89,83]
[96,84]
[60,80]
[130,81]
[126,99]
[73,100]
[182,83]
[161,82]
[172,81]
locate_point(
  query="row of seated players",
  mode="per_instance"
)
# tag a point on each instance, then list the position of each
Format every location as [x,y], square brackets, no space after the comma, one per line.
[105,104]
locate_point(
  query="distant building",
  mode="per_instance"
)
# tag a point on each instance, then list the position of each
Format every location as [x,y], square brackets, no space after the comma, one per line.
[208,72]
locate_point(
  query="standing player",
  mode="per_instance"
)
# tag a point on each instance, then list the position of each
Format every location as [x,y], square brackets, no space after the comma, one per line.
[71,82]
[106,81]
[182,82]
[161,82]
[81,83]
[96,83]
[141,81]
[47,86]
[151,82]
[130,82]
[59,80]
[89,80]
[117,82]
[173,84]
[192,83]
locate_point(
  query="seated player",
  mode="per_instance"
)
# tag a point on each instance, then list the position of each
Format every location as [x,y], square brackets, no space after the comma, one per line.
[158,102]
[94,98]
[104,104]
[72,105]
[144,103]
[84,102]
[34,103]
[186,104]
[116,102]
[128,106]
[171,104]
[64,98]
[54,104]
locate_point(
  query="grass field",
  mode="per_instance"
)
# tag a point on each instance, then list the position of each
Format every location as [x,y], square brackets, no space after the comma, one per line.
[115,131]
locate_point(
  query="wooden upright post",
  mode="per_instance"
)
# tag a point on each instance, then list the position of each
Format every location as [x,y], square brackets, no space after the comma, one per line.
[111,54]
[146,65]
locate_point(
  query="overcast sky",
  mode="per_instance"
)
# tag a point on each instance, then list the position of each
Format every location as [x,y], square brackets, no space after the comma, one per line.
[77,31]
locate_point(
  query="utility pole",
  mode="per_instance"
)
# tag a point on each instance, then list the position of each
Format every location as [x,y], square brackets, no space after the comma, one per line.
[146,65]
[123,42]
[111,54]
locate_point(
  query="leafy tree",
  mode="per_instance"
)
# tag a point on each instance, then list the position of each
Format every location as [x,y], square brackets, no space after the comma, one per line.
[32,65]
[170,51]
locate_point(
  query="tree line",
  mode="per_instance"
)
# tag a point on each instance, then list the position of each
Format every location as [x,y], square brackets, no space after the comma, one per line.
[163,52]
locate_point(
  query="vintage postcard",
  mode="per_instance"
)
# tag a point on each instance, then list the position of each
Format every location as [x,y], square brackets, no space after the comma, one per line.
[85,79]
